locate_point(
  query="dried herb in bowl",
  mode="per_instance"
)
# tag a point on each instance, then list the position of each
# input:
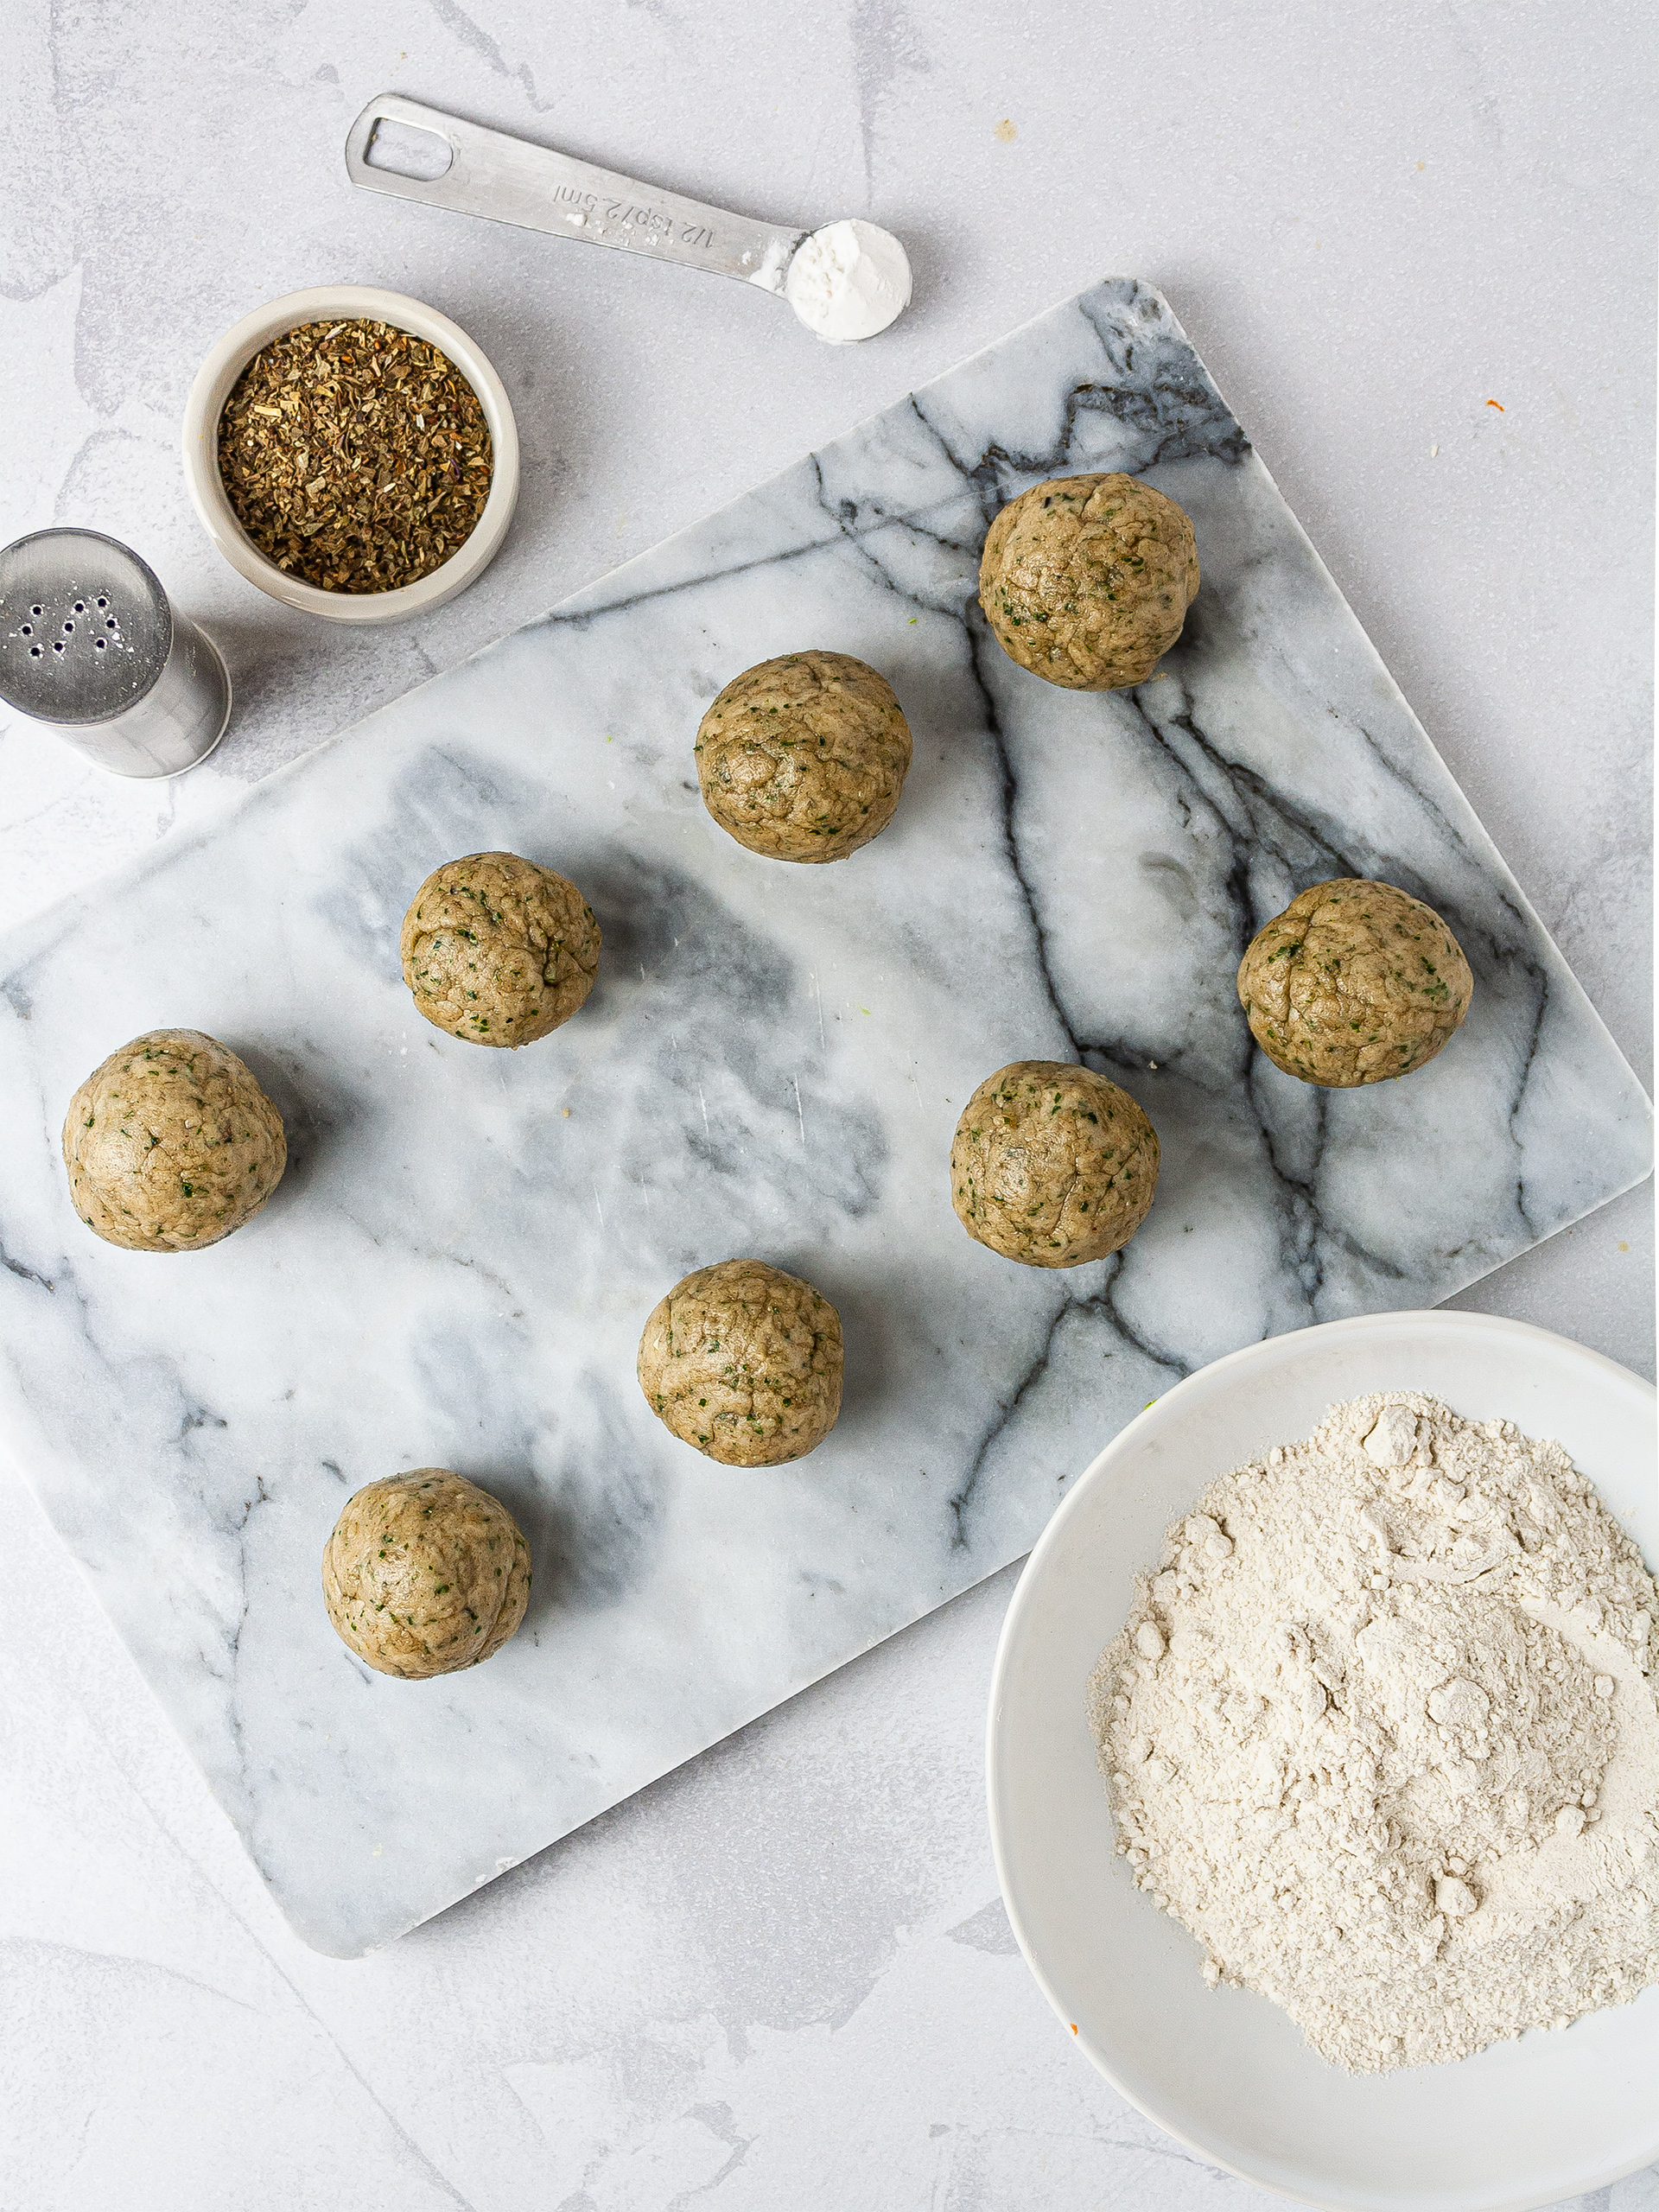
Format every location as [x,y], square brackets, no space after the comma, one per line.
[356,457]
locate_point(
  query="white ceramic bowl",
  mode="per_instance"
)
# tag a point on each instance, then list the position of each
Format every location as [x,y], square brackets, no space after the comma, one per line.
[215,380]
[1521,2125]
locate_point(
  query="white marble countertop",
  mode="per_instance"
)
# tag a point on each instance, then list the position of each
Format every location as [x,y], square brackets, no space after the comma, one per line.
[780,1975]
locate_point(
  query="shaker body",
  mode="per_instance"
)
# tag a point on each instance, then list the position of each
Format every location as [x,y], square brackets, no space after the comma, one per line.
[91,648]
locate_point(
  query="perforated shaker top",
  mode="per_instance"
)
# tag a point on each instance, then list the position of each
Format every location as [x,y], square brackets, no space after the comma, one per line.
[85,626]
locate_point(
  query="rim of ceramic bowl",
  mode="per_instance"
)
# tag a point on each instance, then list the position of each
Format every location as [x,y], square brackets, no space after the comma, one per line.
[216,378]
[1164,1411]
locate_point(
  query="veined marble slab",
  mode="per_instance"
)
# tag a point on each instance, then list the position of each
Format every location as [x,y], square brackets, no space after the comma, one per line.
[457,1266]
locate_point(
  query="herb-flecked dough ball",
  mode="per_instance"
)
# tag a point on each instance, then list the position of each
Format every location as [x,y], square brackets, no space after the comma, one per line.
[803,758]
[425,1573]
[1354,983]
[171,1144]
[1052,1165]
[744,1363]
[1086,580]
[498,951]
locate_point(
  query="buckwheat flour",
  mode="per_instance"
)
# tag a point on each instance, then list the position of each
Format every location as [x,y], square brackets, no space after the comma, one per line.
[1381,1732]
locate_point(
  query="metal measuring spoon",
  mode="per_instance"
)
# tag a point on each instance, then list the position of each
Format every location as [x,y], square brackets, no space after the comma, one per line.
[848,281]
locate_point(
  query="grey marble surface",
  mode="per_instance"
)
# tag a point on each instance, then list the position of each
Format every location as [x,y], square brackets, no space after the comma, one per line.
[456,1268]
[777,1972]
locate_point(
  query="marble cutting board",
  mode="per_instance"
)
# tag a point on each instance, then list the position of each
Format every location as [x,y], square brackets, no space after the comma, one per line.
[455,1270]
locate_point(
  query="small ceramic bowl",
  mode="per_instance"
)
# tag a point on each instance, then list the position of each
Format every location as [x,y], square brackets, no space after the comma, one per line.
[215,380]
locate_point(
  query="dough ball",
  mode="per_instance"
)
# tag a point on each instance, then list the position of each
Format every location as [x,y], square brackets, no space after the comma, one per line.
[425,1573]
[744,1362]
[498,951]
[804,758]
[1052,1165]
[1354,983]
[1087,579]
[171,1144]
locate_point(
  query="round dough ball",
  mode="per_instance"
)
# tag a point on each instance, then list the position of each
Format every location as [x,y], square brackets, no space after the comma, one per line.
[1086,580]
[804,758]
[171,1144]
[498,951]
[1052,1165]
[1354,983]
[744,1362]
[425,1573]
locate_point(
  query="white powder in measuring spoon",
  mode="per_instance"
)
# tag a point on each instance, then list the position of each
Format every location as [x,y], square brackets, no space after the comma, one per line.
[848,281]
[1381,1732]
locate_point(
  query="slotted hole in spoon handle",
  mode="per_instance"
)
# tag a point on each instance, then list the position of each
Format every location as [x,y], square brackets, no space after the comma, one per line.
[403,149]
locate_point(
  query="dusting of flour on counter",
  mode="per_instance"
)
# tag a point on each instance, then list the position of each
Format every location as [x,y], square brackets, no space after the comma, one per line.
[1381,1732]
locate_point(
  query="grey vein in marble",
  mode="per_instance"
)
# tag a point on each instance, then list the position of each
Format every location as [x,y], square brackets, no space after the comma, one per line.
[456,1269]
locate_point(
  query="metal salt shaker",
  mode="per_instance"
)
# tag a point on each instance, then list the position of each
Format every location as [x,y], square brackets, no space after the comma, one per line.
[90,646]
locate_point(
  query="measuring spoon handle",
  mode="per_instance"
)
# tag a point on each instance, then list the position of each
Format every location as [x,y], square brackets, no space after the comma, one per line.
[509,180]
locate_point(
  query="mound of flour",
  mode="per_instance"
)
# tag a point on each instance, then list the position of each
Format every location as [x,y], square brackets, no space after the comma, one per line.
[1381,1732]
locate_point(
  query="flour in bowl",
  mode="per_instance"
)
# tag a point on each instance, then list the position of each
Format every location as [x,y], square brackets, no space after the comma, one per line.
[1381,1731]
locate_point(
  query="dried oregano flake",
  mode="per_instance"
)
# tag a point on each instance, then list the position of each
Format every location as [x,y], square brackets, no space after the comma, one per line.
[355,456]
